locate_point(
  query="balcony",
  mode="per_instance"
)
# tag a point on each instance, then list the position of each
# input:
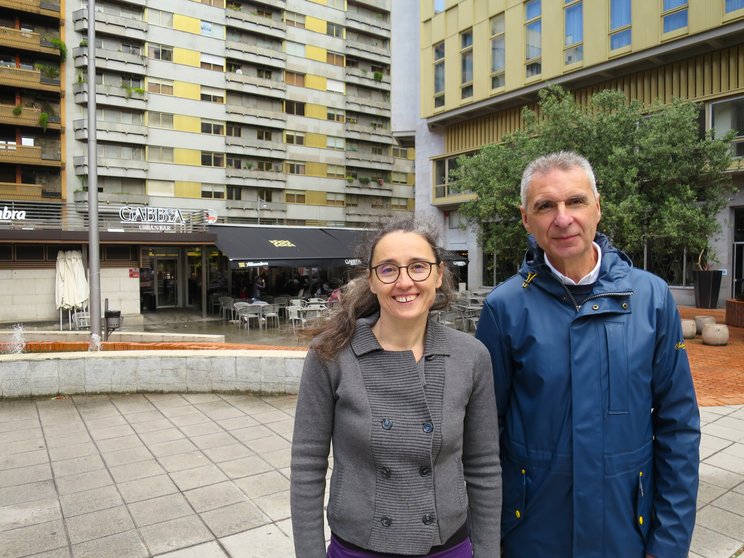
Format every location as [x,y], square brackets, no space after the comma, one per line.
[367,79]
[367,210]
[14,191]
[369,160]
[255,148]
[378,4]
[30,155]
[110,24]
[41,7]
[123,168]
[111,131]
[27,79]
[114,60]
[29,116]
[255,55]
[111,95]
[240,210]
[368,106]
[255,178]
[372,188]
[256,117]
[367,132]
[255,24]
[255,85]
[367,51]
[367,24]
[25,40]
[110,198]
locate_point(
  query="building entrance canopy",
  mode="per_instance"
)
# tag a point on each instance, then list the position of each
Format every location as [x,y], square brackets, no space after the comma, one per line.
[250,246]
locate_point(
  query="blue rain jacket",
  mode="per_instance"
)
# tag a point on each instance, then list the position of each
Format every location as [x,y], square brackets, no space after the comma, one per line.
[599,423]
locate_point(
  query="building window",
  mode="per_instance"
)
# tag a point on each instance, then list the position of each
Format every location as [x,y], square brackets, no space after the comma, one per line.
[293,19]
[533,46]
[335,86]
[293,78]
[294,107]
[161,86]
[294,196]
[335,171]
[234,130]
[733,5]
[398,204]
[213,128]
[135,82]
[211,29]
[334,30]
[263,134]
[498,52]
[159,17]
[268,166]
[161,52]
[466,64]
[295,138]
[438,6]
[573,41]
[160,120]
[337,200]
[130,48]
[213,191]
[400,152]
[212,159]
[335,58]
[212,95]
[263,73]
[159,154]
[337,115]
[352,200]
[338,4]
[214,63]
[377,150]
[439,75]
[378,202]
[619,24]
[294,49]
[442,170]
[399,177]
[335,143]
[294,168]
[674,15]
[726,116]
[234,193]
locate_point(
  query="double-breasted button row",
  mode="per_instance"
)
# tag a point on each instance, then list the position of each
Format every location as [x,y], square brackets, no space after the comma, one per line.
[386,473]
[427,427]
[427,519]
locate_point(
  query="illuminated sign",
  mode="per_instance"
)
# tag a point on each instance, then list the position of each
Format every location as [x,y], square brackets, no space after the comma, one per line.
[353,262]
[151,215]
[7,214]
[282,243]
[252,264]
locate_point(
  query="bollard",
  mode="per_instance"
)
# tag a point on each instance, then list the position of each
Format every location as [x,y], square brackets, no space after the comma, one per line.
[700,321]
[715,334]
[689,329]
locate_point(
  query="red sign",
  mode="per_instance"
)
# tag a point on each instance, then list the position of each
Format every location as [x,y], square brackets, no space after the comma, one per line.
[133,273]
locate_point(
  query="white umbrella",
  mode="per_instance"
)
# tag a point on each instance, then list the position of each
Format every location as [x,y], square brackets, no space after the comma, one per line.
[71,287]
[59,281]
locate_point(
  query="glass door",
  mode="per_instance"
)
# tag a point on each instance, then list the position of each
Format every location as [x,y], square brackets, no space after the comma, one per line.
[737,281]
[166,284]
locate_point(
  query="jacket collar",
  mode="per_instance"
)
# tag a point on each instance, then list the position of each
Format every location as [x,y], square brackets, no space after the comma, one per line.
[364,341]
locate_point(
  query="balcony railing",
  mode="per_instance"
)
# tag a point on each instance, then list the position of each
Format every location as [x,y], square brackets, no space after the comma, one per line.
[29,155]
[255,85]
[25,40]
[14,191]
[111,24]
[43,7]
[255,24]
[254,54]
[28,116]
[28,79]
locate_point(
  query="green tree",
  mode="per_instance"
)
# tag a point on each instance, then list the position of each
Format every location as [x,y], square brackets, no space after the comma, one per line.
[661,181]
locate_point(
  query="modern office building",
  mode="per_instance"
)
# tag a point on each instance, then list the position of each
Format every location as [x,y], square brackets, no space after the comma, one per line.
[482,62]
[226,116]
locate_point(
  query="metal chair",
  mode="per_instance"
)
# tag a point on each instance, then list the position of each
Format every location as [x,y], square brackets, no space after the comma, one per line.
[270,312]
[81,320]
[238,308]
[248,313]
[295,317]
[226,305]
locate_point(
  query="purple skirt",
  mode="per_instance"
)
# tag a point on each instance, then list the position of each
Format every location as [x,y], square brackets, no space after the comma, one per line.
[337,550]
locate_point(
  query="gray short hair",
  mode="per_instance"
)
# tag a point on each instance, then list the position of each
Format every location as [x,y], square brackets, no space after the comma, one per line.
[563,160]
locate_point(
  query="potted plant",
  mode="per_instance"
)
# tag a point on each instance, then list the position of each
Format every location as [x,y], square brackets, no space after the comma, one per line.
[707,280]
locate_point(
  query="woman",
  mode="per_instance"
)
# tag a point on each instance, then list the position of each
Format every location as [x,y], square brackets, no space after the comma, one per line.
[409,407]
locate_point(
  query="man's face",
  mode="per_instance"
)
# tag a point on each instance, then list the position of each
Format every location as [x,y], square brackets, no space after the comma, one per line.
[562,213]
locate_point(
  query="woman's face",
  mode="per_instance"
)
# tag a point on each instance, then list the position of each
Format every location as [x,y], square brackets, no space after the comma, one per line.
[404,299]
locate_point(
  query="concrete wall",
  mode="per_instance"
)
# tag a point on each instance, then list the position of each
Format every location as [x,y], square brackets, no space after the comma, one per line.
[27,375]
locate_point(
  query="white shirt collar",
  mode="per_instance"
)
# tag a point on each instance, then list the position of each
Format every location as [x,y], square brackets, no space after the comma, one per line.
[588,279]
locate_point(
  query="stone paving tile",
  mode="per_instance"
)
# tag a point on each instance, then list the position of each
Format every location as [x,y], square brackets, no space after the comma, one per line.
[126,456]
[152,426]
[36,457]
[214,496]
[24,475]
[234,518]
[228,452]
[159,436]
[98,524]
[237,422]
[276,505]
[33,539]
[143,416]
[733,502]
[23,446]
[162,508]
[708,492]
[244,467]
[722,521]
[19,425]
[206,550]
[200,476]
[57,553]
[24,514]
[88,501]
[27,492]
[213,440]
[80,437]
[77,465]
[268,540]
[183,461]
[175,534]
[719,477]
[69,452]
[262,484]
[105,422]
[711,544]
[150,487]
[171,448]
[139,470]
[252,433]
[120,443]
[83,481]
[121,545]
[201,428]
[278,459]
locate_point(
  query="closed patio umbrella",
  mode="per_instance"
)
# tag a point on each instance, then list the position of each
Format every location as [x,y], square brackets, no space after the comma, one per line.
[71,287]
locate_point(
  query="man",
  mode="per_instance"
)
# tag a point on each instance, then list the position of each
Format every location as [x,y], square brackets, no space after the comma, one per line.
[599,423]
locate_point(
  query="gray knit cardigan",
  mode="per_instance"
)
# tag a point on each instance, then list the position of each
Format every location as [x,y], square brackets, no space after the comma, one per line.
[412,460]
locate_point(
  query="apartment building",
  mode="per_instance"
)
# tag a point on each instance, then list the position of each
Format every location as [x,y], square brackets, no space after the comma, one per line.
[482,62]
[231,115]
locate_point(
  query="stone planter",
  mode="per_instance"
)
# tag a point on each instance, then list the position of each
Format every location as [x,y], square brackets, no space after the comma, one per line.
[715,334]
[700,321]
[735,312]
[689,329]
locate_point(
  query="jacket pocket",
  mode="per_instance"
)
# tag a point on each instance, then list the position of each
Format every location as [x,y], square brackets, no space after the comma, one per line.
[461,492]
[617,362]
[644,498]
[337,491]
[515,485]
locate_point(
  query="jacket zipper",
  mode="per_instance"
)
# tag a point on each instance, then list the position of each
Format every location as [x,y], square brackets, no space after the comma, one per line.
[590,297]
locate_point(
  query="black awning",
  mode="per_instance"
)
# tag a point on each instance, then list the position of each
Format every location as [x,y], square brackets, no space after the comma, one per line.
[255,246]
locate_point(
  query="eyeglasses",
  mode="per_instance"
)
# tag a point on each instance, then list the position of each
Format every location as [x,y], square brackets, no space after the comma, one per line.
[417,271]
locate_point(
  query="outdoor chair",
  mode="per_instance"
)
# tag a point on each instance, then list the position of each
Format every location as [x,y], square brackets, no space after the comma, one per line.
[81,320]
[248,313]
[226,306]
[237,308]
[295,317]
[270,312]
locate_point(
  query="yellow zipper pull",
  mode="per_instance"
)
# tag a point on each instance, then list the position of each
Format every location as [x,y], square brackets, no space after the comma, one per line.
[530,276]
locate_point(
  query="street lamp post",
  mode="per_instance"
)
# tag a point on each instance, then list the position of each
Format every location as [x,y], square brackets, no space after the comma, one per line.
[94,257]
[259,206]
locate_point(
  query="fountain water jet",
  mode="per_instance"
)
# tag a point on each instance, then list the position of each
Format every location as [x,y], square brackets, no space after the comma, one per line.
[17,340]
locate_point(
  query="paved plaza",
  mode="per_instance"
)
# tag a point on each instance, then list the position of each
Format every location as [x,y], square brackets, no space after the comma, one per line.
[207,475]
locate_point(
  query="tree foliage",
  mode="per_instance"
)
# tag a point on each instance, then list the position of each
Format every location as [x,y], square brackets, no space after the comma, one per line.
[661,180]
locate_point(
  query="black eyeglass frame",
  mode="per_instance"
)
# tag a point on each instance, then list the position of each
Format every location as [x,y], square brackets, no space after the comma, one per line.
[408,271]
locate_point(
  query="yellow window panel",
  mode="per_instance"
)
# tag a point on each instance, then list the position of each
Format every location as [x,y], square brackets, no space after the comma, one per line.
[316,111]
[187,57]
[186,123]
[315,24]
[186,90]
[315,169]
[315,198]
[315,53]
[184,156]
[186,23]
[315,140]
[316,82]
[188,189]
